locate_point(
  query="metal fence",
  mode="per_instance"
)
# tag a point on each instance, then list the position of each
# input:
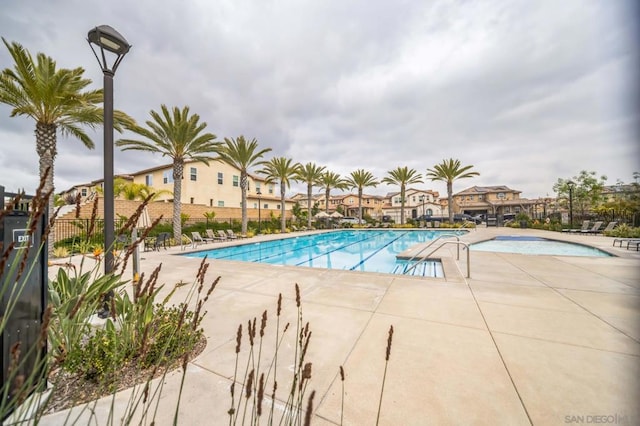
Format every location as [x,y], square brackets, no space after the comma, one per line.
[90,233]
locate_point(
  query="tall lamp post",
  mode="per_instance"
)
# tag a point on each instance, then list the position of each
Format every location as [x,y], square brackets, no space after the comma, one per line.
[106,38]
[259,194]
[570,184]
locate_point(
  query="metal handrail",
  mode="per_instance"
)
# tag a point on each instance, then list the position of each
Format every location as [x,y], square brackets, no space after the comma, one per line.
[457,243]
[444,235]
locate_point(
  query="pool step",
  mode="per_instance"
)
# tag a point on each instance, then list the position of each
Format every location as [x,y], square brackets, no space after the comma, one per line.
[430,268]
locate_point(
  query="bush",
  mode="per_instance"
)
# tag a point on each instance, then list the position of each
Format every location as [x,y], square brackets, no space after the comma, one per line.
[624,231]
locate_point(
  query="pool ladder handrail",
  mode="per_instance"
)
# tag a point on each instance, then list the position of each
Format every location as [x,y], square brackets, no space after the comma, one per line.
[426,258]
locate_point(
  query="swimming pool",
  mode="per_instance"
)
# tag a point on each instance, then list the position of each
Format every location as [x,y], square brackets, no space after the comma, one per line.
[536,245]
[355,250]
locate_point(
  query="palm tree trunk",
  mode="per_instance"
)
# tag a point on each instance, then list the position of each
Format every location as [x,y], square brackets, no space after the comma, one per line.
[46,149]
[402,205]
[327,194]
[359,206]
[243,191]
[309,206]
[450,199]
[283,220]
[178,170]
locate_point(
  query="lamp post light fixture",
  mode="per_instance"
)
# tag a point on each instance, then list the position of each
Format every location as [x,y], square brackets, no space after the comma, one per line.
[108,39]
[570,184]
[259,194]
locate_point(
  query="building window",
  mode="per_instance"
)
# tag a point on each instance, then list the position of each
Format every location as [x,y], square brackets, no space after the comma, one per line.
[236,181]
[258,187]
[220,178]
[501,195]
[255,205]
[429,212]
[192,200]
[193,173]
[277,206]
[210,202]
[220,203]
[167,177]
[480,197]
[148,180]
[266,206]
[83,192]
[270,189]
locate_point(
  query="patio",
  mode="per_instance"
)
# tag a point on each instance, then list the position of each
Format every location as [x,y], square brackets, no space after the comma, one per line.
[525,340]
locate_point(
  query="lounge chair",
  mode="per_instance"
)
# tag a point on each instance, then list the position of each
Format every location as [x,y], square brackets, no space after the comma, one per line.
[585,227]
[197,238]
[628,241]
[213,236]
[234,236]
[595,229]
[608,228]
[222,235]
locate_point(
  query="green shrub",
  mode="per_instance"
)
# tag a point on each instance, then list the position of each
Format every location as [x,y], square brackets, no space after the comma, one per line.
[624,231]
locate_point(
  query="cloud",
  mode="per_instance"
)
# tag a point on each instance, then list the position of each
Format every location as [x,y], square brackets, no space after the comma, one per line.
[526,92]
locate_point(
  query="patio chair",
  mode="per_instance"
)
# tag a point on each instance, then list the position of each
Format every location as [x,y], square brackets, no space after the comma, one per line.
[161,240]
[212,236]
[585,227]
[627,241]
[595,229]
[234,236]
[197,238]
[122,241]
[608,228]
[222,236]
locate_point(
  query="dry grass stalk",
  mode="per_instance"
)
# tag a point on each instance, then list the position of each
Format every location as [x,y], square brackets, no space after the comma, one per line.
[384,376]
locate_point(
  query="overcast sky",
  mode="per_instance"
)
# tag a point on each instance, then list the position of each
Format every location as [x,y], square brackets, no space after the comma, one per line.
[525,91]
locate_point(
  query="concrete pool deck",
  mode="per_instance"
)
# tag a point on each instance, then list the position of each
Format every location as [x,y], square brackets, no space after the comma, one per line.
[526,340]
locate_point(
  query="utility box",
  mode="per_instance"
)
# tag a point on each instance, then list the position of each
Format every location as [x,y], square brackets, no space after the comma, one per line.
[24,293]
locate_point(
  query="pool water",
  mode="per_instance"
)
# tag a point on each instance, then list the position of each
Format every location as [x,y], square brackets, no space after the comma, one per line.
[356,250]
[536,245]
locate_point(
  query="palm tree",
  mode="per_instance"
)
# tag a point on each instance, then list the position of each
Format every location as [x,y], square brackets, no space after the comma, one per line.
[281,169]
[134,191]
[242,155]
[56,100]
[328,181]
[310,174]
[361,179]
[177,135]
[402,176]
[448,171]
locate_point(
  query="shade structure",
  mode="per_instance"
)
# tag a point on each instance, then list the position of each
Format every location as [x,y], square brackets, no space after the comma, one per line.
[336,215]
[322,215]
[144,221]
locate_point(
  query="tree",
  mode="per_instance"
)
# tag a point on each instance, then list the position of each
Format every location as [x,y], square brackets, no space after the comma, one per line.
[448,171]
[328,181]
[402,176]
[310,174]
[134,191]
[242,155]
[587,191]
[360,179]
[178,135]
[56,99]
[282,170]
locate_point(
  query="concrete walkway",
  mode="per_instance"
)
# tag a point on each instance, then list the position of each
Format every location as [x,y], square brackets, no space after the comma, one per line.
[527,339]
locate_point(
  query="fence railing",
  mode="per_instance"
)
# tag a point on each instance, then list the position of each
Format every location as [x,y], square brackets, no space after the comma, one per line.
[87,232]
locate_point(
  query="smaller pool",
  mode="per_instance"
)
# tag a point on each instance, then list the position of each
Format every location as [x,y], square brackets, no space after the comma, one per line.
[536,245]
